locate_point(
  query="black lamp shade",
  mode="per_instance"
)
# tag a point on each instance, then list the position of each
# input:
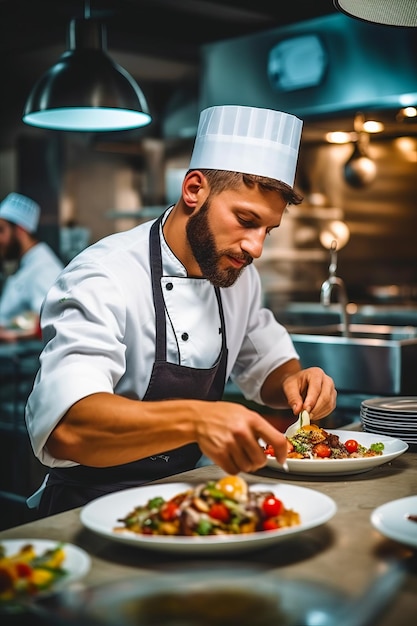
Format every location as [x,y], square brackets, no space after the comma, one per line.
[86,90]
[387,12]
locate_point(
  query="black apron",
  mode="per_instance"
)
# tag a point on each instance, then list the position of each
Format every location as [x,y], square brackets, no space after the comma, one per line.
[72,487]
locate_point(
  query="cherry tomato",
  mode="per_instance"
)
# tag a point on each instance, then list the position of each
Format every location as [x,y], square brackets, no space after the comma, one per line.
[220,512]
[269,450]
[351,445]
[270,524]
[322,450]
[23,570]
[272,507]
[169,511]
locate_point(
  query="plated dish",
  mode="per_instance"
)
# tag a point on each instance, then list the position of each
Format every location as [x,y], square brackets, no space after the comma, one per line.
[76,563]
[102,515]
[392,520]
[227,506]
[339,467]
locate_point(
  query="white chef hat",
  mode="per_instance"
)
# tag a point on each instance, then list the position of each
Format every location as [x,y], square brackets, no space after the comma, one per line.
[248,140]
[20,210]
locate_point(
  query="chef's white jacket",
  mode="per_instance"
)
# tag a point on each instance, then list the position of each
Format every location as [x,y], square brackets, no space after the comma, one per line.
[26,289]
[98,322]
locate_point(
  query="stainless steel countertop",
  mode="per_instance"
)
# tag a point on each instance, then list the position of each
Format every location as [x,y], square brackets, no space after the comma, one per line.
[346,553]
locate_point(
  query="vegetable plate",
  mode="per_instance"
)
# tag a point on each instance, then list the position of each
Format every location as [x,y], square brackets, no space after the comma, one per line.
[103,516]
[388,451]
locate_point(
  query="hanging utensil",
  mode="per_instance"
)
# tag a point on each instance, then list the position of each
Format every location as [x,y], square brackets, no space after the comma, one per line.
[359,169]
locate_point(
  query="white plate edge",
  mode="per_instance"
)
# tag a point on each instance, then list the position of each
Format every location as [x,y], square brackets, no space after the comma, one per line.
[208,542]
[322,463]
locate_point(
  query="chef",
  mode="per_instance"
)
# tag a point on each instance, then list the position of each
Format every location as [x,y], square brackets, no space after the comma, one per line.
[37,266]
[143,329]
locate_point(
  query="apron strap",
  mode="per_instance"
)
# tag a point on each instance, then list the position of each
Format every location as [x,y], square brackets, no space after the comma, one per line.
[155,258]
[159,304]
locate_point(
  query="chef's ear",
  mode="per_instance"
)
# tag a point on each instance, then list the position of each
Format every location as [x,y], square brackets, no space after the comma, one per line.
[195,188]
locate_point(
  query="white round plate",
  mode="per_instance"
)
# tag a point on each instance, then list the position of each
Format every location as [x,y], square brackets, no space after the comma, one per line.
[391,418]
[395,427]
[386,429]
[403,404]
[390,519]
[387,422]
[408,436]
[394,424]
[292,602]
[101,516]
[376,432]
[341,467]
[77,562]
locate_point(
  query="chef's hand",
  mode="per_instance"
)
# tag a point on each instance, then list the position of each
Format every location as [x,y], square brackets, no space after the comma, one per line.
[311,390]
[229,434]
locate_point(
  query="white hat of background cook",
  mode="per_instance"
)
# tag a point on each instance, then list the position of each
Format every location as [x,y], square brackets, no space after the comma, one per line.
[20,210]
[249,140]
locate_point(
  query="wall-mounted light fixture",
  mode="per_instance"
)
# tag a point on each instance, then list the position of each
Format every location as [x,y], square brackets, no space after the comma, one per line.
[388,12]
[86,90]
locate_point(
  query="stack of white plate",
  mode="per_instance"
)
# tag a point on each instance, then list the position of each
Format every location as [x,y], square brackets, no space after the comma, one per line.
[395,417]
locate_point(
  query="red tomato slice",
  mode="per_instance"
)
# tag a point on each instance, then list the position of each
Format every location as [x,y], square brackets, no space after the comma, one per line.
[270,524]
[322,450]
[169,511]
[23,569]
[272,507]
[351,445]
[220,512]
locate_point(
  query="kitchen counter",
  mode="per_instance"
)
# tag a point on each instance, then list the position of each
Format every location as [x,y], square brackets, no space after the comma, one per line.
[346,553]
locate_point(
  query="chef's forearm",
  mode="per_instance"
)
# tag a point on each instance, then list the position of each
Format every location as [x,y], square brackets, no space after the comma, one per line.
[105,429]
[272,392]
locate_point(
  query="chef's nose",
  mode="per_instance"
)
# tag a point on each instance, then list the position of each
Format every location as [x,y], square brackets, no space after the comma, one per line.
[254,242]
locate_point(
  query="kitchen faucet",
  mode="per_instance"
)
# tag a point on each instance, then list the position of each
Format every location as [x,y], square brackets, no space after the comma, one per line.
[332,283]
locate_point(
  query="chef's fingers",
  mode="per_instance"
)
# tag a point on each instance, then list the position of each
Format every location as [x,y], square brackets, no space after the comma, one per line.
[311,390]
[241,457]
[321,397]
[230,435]
[247,452]
[249,455]
[276,439]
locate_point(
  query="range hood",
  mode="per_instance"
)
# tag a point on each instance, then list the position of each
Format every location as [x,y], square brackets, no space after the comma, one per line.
[318,68]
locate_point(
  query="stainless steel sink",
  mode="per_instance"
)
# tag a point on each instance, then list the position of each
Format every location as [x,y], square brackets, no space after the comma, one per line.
[359,331]
[374,360]
[315,314]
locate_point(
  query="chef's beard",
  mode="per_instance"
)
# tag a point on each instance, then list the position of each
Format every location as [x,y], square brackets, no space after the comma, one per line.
[11,251]
[203,247]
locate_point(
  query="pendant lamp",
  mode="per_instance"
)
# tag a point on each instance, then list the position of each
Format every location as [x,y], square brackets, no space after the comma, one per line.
[388,12]
[360,170]
[86,90]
